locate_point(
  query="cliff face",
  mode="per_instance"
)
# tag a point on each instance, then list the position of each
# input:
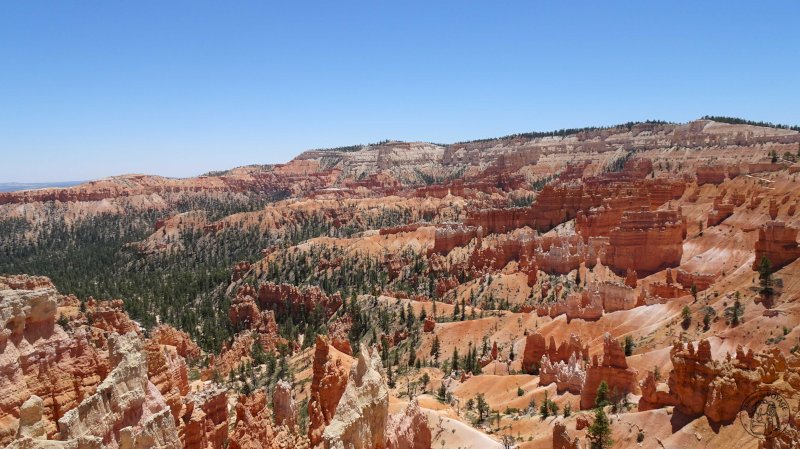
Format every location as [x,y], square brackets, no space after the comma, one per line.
[331,371]
[361,415]
[127,410]
[646,242]
[778,243]
[613,370]
[37,357]
[408,429]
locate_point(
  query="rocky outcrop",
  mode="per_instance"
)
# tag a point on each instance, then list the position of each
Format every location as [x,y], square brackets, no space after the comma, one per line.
[204,419]
[180,340]
[408,429]
[449,237]
[536,348]
[720,212]
[283,405]
[701,281]
[646,241]
[331,370]
[613,369]
[711,174]
[562,440]
[568,376]
[253,427]
[699,385]
[37,357]
[126,411]
[290,299]
[778,243]
[361,414]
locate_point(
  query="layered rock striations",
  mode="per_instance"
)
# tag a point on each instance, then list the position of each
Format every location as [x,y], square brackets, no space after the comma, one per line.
[361,415]
[613,370]
[646,242]
[331,370]
[37,357]
[778,243]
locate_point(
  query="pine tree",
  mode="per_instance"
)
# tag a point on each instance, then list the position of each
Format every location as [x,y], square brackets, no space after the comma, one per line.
[765,275]
[435,348]
[601,399]
[455,359]
[599,433]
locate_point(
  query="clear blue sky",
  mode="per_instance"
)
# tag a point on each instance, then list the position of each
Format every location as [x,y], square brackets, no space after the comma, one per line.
[91,89]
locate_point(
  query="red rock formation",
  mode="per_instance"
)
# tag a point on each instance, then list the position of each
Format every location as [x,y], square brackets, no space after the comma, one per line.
[168,372]
[428,325]
[613,370]
[778,243]
[646,241]
[700,386]
[562,440]
[408,429]
[110,316]
[284,297]
[39,358]
[535,349]
[283,405]
[168,335]
[203,423]
[330,373]
[452,236]
[711,174]
[700,280]
[720,212]
[253,428]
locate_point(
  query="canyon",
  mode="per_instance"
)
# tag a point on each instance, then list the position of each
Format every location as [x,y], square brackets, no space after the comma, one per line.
[508,292]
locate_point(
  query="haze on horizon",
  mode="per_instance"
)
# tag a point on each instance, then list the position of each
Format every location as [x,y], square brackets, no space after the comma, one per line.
[92,90]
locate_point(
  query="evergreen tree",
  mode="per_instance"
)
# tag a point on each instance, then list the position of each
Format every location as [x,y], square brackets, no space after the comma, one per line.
[601,399]
[765,275]
[599,433]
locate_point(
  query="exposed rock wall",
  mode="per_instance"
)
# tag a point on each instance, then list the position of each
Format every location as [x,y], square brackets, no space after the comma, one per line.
[536,348]
[361,415]
[408,429]
[37,357]
[613,370]
[331,370]
[778,243]
[646,242]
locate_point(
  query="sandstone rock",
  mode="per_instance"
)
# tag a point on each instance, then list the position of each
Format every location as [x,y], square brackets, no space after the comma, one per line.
[613,370]
[180,340]
[331,370]
[535,349]
[568,376]
[428,325]
[561,439]
[778,243]
[646,241]
[283,405]
[408,429]
[126,411]
[30,419]
[361,414]
[39,358]
[284,297]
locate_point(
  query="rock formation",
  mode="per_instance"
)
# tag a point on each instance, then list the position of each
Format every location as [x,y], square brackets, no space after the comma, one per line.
[180,340]
[408,429]
[562,440]
[613,369]
[331,371]
[39,358]
[699,385]
[283,405]
[646,241]
[536,348]
[126,411]
[361,414]
[286,297]
[778,243]
[568,376]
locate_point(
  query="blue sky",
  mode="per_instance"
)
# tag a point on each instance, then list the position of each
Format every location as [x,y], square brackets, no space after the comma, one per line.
[92,89]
